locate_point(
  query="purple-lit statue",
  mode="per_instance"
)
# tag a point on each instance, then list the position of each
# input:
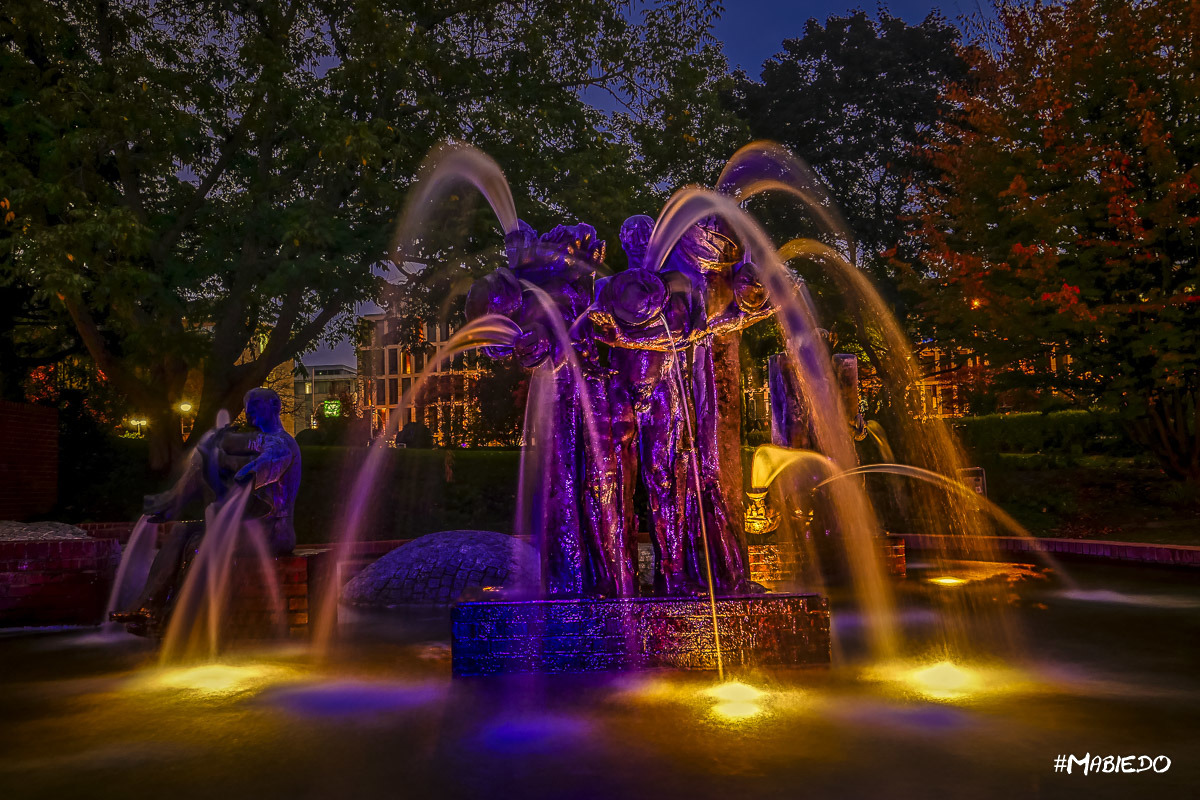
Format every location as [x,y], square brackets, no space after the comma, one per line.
[644,368]
[261,455]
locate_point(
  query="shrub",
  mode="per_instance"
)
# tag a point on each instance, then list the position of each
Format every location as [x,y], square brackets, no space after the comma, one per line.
[1071,433]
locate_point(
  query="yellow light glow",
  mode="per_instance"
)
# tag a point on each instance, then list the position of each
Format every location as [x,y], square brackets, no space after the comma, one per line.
[734,692]
[214,678]
[943,680]
[737,710]
[947,580]
[185,407]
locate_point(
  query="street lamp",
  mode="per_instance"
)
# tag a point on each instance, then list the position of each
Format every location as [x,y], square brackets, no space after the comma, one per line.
[139,422]
[185,422]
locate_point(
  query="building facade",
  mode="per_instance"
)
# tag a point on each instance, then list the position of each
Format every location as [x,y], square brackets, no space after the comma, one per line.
[328,390]
[389,365]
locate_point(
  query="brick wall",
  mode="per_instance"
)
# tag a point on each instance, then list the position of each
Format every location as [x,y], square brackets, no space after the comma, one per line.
[121,531]
[254,614]
[28,460]
[1022,548]
[64,582]
[779,566]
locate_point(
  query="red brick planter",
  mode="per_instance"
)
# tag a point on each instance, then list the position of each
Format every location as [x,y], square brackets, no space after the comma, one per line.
[56,582]
[1008,547]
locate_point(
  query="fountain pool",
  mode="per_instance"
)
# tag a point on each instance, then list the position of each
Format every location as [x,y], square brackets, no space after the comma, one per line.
[1114,673]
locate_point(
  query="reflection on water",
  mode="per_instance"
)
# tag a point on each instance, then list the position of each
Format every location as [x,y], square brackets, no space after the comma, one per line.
[534,732]
[352,698]
[1125,598]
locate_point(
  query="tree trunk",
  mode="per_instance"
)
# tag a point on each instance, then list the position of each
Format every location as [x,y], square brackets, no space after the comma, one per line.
[165,437]
[1170,430]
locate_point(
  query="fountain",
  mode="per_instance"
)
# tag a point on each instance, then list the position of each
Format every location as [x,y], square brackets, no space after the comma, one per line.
[634,389]
[637,379]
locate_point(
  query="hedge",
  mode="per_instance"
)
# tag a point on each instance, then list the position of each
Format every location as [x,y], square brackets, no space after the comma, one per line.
[1072,433]
[411,497]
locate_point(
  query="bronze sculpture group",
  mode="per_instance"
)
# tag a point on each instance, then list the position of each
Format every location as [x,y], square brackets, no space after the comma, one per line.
[644,365]
[643,371]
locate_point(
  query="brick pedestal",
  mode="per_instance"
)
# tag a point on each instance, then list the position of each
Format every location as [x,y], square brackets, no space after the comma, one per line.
[492,638]
[779,566]
[254,614]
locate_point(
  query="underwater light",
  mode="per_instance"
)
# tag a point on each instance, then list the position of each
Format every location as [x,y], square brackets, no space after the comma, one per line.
[943,679]
[947,580]
[213,678]
[734,692]
[737,700]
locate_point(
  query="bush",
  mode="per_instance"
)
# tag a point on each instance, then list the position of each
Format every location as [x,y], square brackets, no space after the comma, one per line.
[1069,433]
[416,493]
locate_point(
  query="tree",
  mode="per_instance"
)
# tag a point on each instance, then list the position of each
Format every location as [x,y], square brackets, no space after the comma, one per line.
[1065,218]
[856,98]
[501,388]
[184,179]
[33,337]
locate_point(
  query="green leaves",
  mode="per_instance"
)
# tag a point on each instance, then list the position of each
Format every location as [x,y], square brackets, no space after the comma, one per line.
[219,171]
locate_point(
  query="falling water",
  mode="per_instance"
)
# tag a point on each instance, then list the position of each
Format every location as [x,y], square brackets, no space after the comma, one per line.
[695,461]
[969,495]
[205,590]
[487,330]
[133,569]
[812,362]
[538,432]
[877,433]
[562,337]
[449,166]
[771,460]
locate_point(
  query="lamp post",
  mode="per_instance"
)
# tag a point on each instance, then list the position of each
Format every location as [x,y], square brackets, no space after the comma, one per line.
[138,422]
[185,420]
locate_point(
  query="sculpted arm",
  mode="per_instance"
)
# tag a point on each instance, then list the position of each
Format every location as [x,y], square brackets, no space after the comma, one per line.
[272,461]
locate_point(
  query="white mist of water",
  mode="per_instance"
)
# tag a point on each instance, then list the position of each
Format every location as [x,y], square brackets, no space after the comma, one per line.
[194,632]
[136,559]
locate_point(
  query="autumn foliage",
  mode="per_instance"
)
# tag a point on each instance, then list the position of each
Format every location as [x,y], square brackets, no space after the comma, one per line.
[1064,218]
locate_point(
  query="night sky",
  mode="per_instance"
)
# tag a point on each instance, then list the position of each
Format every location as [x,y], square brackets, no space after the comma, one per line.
[753,31]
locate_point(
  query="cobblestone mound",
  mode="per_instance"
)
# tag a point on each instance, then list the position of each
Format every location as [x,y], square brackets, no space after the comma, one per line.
[11,531]
[437,569]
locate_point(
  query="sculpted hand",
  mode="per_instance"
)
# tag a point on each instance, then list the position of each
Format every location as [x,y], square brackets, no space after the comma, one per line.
[245,474]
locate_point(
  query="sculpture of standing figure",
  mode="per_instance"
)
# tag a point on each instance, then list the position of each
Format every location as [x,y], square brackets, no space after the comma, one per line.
[266,458]
[671,341]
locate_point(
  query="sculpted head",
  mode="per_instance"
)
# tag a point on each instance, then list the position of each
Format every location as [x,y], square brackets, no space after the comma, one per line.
[635,236]
[263,407]
[518,244]
[571,244]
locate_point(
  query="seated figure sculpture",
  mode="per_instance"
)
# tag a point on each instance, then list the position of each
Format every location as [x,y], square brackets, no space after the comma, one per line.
[264,457]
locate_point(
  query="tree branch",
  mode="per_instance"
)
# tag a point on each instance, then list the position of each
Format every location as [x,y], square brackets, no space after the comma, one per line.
[93,340]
